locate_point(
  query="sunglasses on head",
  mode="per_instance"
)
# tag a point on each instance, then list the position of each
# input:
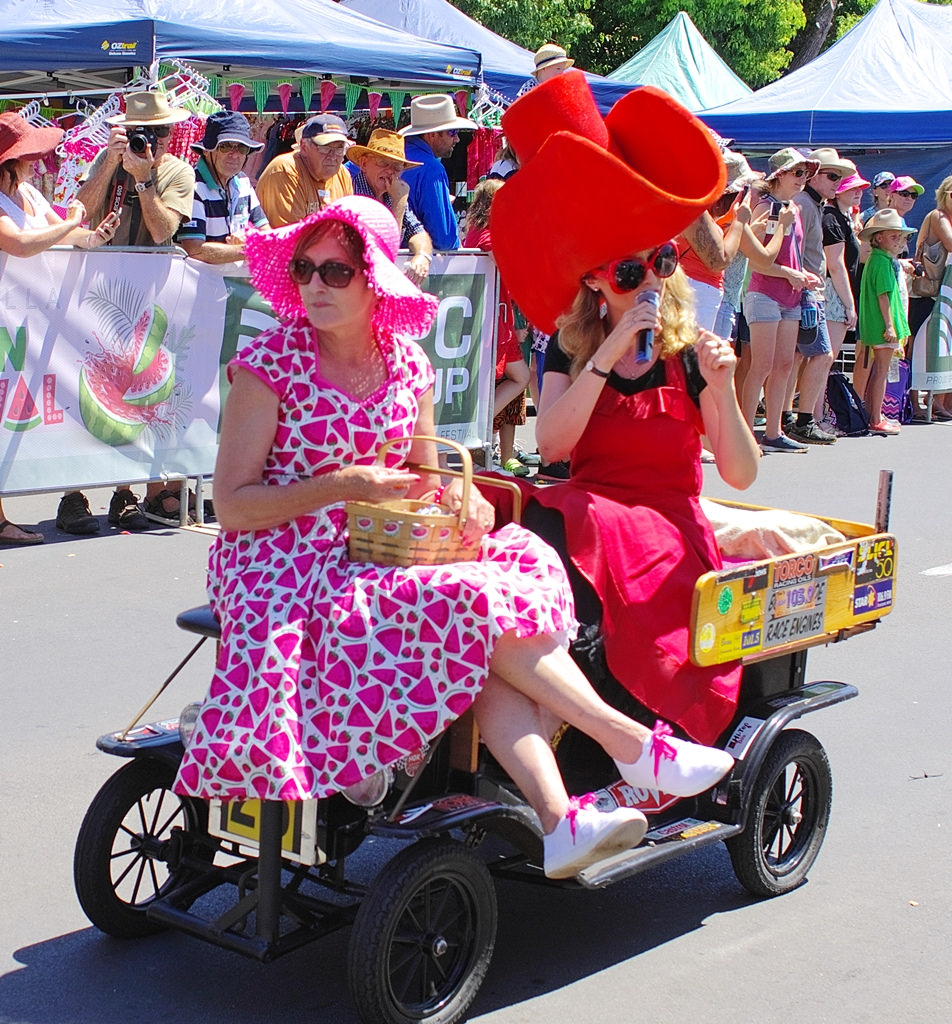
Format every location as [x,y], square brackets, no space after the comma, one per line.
[333,273]
[907,195]
[626,274]
[833,176]
[233,147]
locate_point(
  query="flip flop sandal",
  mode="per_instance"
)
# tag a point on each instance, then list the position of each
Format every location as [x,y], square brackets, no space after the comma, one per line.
[32,536]
[153,508]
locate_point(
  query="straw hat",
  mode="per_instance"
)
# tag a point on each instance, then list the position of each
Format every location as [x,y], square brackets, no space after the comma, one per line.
[739,172]
[149,108]
[383,142]
[434,114]
[885,220]
[401,307]
[829,160]
[643,196]
[550,55]
[20,140]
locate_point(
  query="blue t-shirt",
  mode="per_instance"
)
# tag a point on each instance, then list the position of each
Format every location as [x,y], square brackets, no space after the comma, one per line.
[430,197]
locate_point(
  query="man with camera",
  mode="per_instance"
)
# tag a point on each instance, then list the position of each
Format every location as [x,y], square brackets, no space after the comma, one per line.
[138,178]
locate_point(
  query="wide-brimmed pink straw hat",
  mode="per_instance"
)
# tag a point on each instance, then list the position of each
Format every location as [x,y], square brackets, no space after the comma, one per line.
[401,307]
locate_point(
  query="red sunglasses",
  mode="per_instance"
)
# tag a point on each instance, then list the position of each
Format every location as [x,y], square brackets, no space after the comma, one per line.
[626,274]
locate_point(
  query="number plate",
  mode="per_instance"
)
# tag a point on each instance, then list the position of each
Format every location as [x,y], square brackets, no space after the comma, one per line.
[240,821]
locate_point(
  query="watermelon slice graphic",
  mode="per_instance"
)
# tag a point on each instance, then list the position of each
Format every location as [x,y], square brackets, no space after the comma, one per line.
[23,413]
[120,390]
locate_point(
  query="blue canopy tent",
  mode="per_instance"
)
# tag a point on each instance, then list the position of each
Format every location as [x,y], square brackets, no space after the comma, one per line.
[72,46]
[506,67]
[682,62]
[881,95]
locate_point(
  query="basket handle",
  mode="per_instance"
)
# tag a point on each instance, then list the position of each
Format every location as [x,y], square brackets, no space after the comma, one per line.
[466,458]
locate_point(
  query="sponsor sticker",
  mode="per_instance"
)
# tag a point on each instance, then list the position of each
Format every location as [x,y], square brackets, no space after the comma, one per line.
[872,597]
[743,735]
[790,571]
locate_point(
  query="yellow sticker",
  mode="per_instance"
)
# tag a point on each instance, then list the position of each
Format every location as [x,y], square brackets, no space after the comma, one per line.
[707,636]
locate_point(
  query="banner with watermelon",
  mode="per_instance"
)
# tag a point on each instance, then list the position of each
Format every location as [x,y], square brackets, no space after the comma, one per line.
[112,363]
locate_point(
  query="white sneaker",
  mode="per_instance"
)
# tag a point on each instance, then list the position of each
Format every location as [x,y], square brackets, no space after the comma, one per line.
[586,835]
[676,766]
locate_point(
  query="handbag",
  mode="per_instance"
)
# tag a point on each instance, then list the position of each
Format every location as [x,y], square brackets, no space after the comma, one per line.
[932,257]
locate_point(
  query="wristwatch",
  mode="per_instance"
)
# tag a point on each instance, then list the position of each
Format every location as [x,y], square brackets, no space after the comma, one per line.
[592,368]
[142,186]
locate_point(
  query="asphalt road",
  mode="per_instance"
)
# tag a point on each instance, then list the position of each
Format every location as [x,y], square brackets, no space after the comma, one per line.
[88,633]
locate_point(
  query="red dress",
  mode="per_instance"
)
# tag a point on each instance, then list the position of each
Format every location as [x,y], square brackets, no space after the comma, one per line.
[635,530]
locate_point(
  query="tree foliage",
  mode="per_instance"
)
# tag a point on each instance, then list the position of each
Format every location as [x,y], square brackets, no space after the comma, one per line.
[759,39]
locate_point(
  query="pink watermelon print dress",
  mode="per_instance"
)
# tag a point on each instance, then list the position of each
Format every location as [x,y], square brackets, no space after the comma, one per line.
[331,669]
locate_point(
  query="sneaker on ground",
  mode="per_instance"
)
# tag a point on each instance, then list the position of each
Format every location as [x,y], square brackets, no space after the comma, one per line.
[124,511]
[527,458]
[885,428]
[781,444]
[675,766]
[788,420]
[553,471]
[811,433]
[586,835]
[74,515]
[515,467]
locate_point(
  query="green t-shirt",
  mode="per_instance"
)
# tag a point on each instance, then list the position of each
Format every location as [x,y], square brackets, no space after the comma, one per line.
[879,278]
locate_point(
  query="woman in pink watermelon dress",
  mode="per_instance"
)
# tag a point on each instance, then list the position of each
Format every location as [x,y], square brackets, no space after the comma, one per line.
[331,669]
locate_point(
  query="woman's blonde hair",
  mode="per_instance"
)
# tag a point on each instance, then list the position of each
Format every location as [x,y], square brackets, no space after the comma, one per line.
[581,330]
[943,194]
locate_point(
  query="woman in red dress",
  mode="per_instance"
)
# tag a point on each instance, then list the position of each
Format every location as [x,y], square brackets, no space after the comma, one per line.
[632,430]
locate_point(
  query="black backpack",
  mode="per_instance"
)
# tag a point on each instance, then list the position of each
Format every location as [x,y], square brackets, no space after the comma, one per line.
[847,408]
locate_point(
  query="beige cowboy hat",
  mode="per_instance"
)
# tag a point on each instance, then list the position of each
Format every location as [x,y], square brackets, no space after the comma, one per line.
[551,55]
[383,142]
[149,108]
[885,220]
[435,113]
[739,172]
[830,160]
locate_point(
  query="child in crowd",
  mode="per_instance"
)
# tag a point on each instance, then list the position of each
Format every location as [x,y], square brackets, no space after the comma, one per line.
[882,315]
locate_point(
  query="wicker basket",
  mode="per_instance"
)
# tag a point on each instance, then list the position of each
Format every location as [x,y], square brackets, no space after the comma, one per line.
[395,533]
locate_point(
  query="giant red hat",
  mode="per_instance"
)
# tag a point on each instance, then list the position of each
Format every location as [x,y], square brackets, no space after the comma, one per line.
[590,190]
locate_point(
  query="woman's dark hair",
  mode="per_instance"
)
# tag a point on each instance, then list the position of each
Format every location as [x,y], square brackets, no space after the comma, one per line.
[350,240]
[8,174]
[478,213]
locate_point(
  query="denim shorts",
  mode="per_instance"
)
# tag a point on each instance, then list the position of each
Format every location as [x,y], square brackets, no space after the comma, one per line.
[821,345]
[761,309]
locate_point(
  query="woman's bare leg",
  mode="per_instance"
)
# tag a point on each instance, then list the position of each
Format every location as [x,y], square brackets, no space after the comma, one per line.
[544,672]
[763,341]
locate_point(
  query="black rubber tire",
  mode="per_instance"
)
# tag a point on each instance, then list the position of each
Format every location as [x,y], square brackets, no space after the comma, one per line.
[115,877]
[423,936]
[789,813]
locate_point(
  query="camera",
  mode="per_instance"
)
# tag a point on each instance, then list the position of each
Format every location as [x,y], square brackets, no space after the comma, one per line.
[918,270]
[776,206]
[140,139]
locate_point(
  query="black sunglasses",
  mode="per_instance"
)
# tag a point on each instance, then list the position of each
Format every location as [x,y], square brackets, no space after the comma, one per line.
[800,172]
[626,274]
[331,272]
[907,195]
[833,176]
[160,131]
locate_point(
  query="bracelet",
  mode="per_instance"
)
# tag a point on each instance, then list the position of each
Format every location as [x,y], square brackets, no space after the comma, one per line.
[438,494]
[428,256]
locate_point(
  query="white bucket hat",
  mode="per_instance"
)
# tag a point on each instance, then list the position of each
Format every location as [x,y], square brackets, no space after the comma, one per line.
[434,114]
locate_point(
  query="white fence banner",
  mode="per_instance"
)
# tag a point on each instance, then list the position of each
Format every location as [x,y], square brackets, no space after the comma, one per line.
[112,363]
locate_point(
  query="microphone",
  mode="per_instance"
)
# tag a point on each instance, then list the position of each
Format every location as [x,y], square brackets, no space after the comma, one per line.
[646,337]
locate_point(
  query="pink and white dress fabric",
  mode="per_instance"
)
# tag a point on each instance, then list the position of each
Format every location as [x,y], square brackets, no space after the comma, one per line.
[331,669]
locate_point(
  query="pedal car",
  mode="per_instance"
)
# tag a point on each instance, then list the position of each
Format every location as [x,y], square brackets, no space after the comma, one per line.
[422,932]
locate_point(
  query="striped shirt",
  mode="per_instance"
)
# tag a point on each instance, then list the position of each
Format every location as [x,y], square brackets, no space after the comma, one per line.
[216,214]
[411,223]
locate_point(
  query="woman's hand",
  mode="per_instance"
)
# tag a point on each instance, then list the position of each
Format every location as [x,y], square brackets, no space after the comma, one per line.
[716,360]
[376,483]
[640,316]
[104,232]
[480,516]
